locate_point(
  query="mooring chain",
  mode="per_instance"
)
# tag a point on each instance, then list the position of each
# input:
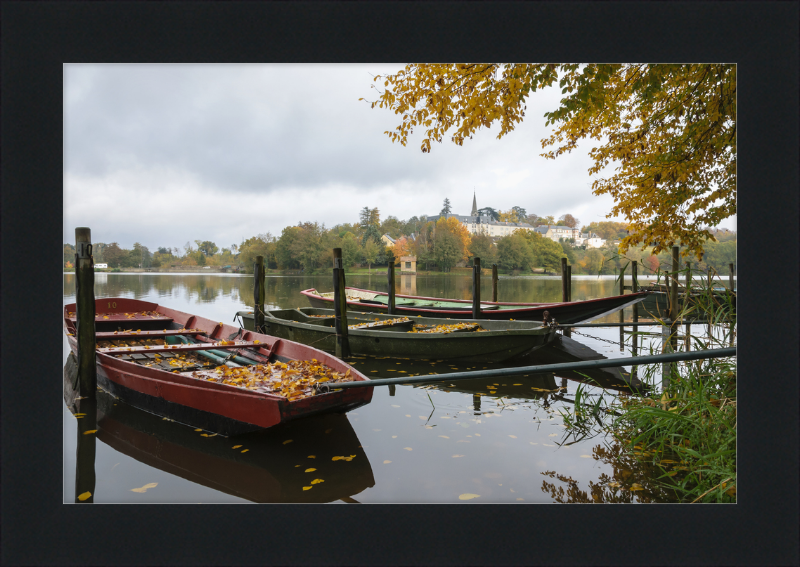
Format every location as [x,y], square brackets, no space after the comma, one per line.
[615,343]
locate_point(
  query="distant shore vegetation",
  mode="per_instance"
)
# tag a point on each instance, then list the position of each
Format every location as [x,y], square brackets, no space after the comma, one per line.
[439,247]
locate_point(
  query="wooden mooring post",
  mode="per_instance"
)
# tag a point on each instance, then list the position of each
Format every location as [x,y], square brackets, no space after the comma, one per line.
[673,289]
[85,312]
[564,293]
[569,283]
[494,282]
[476,288]
[622,292]
[259,293]
[635,288]
[340,306]
[390,281]
[730,277]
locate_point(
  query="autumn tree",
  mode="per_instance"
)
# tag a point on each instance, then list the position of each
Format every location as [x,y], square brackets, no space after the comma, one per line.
[370,251]
[351,250]
[114,255]
[668,129]
[607,230]
[206,247]
[569,220]
[392,226]
[514,253]
[450,242]
[482,246]
[261,245]
[402,247]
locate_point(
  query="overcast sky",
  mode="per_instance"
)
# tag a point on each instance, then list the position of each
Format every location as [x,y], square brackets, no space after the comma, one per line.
[165,154]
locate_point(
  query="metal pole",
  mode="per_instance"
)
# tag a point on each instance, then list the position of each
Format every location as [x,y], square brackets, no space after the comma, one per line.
[476,288]
[522,370]
[85,312]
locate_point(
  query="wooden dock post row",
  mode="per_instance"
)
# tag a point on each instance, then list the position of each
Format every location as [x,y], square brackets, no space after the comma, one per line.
[85,312]
[259,293]
[390,277]
[494,282]
[730,277]
[476,288]
[340,306]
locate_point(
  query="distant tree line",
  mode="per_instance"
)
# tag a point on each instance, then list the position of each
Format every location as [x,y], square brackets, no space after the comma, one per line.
[438,246]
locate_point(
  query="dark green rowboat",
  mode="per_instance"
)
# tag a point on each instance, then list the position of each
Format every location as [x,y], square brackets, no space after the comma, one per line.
[498,341]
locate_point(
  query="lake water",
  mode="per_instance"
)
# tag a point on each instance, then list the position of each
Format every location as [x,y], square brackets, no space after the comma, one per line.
[447,443]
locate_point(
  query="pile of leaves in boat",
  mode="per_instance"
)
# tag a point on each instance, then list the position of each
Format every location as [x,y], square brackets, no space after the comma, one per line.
[455,327]
[293,380]
[152,314]
[380,323]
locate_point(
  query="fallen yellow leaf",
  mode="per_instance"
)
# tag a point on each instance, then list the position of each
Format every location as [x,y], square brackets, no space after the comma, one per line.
[306,488]
[636,486]
[317,481]
[468,496]
[386,462]
[145,487]
[84,496]
[407,448]
[457,456]
[288,441]
[310,470]
[513,436]
[90,431]
[235,446]
[312,456]
[444,436]
[245,451]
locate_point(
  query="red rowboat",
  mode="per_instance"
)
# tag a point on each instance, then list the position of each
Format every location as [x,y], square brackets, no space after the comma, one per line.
[412,305]
[207,374]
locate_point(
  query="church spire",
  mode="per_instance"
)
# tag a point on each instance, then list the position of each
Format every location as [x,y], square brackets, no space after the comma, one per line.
[474,212]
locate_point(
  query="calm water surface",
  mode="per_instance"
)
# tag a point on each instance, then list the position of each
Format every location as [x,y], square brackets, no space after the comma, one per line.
[431,444]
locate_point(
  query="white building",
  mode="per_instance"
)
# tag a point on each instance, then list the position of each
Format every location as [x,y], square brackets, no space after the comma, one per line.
[477,224]
[557,232]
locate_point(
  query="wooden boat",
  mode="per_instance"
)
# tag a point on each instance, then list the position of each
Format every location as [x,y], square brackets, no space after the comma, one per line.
[263,469]
[375,334]
[201,381]
[411,305]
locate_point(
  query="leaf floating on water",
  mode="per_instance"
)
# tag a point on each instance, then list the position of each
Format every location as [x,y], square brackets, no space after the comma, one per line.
[457,456]
[235,446]
[394,436]
[553,435]
[198,429]
[407,448]
[386,462]
[394,406]
[306,488]
[312,456]
[520,500]
[468,496]
[582,456]
[513,436]
[444,436]
[245,451]
[636,486]
[317,481]
[310,470]
[79,414]
[90,431]
[85,496]
[288,441]
[145,487]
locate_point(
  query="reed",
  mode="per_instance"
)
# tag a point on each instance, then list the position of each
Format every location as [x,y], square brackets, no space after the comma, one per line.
[684,430]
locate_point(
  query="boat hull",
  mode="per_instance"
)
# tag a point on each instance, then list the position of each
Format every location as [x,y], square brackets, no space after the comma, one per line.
[516,338]
[219,408]
[565,312]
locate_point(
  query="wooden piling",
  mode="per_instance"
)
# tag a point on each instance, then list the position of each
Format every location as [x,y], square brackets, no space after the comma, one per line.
[85,311]
[259,293]
[494,282]
[634,289]
[340,306]
[622,292]
[569,283]
[86,449]
[563,279]
[673,290]
[390,279]
[476,288]
[730,277]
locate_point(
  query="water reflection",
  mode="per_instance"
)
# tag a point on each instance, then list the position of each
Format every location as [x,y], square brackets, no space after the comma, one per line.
[317,459]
